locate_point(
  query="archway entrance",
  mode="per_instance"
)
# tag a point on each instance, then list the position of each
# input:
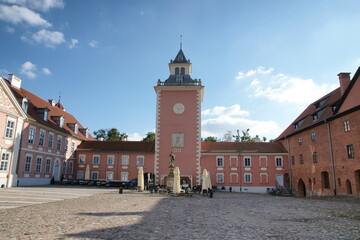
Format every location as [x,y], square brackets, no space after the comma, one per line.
[286,180]
[57,170]
[301,188]
[348,187]
[357,181]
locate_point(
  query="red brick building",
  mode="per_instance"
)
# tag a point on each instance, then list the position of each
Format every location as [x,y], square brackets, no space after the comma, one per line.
[324,143]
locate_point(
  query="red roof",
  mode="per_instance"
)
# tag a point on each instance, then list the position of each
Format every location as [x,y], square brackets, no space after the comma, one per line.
[36,102]
[242,147]
[116,146]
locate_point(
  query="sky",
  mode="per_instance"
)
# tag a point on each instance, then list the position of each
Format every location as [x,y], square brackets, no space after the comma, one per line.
[261,62]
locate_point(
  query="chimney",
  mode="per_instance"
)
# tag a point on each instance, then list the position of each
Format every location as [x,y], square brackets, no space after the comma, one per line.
[52,102]
[344,79]
[15,81]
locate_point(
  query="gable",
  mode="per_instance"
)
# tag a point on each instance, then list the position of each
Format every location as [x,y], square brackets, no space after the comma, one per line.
[8,103]
[351,96]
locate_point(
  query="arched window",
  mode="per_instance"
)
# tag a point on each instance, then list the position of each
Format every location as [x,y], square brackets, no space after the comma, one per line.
[177,71]
[183,71]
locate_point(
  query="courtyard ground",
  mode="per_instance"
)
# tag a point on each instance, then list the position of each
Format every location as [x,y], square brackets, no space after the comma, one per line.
[133,215]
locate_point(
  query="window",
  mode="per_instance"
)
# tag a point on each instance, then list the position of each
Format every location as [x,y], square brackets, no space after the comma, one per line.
[140,161]
[315,159]
[10,124]
[38,164]
[66,145]
[347,126]
[64,168]
[41,137]
[220,161]
[325,180]
[71,167]
[31,135]
[82,159]
[301,159]
[76,128]
[62,120]
[264,178]
[220,178]
[27,163]
[48,165]
[124,176]
[109,176]
[4,161]
[80,175]
[300,140]
[72,146]
[247,178]
[313,136]
[125,160]
[247,161]
[315,117]
[110,159]
[183,71]
[233,162]
[50,140]
[350,151]
[25,104]
[177,71]
[94,175]
[96,159]
[278,161]
[58,144]
[293,160]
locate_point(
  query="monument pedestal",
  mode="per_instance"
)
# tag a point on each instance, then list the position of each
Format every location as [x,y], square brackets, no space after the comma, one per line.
[170,178]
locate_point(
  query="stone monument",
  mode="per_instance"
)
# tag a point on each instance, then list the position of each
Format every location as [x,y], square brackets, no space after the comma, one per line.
[170,177]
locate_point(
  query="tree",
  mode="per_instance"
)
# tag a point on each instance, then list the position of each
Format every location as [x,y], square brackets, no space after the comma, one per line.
[210,139]
[150,136]
[111,134]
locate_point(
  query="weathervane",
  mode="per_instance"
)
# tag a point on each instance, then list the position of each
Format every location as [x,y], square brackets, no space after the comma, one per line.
[180,42]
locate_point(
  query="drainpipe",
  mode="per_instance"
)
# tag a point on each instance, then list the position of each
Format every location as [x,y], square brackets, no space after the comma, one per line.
[290,163]
[240,177]
[331,157]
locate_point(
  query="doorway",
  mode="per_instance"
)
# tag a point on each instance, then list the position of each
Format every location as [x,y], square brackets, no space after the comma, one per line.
[348,187]
[301,188]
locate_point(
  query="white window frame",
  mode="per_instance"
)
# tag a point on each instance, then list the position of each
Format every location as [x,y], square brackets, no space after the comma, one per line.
[220,161]
[82,159]
[4,162]
[48,165]
[59,142]
[313,136]
[112,157]
[51,140]
[76,128]
[92,175]
[71,167]
[9,128]
[98,161]
[72,146]
[28,160]
[66,145]
[38,165]
[125,159]
[32,134]
[279,158]
[42,135]
[247,178]
[64,168]
[247,161]
[300,140]
[220,177]
[124,176]
[346,126]
[107,176]
[140,160]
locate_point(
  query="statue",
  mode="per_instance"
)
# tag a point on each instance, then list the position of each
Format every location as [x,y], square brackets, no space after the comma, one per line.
[171,161]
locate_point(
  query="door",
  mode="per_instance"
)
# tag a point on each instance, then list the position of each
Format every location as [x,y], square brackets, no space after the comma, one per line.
[279,180]
[56,171]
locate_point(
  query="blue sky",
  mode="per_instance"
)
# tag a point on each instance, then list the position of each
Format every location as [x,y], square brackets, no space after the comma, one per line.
[262,62]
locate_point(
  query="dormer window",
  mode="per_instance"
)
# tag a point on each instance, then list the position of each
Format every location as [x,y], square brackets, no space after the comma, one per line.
[25,104]
[62,120]
[76,128]
[179,78]
[43,113]
[320,103]
[315,117]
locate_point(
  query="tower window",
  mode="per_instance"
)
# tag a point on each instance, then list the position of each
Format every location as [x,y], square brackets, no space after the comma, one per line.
[177,71]
[183,71]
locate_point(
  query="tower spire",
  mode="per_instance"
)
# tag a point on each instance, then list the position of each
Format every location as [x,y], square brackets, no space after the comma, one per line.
[180,42]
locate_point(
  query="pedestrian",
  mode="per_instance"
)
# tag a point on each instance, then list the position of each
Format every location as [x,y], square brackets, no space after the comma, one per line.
[230,189]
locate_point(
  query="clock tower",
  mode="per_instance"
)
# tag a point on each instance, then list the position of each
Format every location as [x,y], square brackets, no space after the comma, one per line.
[178,122]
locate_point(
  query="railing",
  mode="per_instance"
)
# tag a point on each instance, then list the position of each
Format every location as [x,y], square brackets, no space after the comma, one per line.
[180,83]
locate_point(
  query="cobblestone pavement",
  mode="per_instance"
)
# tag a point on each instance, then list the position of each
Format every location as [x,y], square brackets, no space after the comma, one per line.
[25,196]
[135,215]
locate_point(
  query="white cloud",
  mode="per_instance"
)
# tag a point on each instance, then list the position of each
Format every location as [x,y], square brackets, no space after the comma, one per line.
[16,14]
[42,5]
[9,29]
[46,71]
[229,111]
[135,137]
[28,69]
[73,43]
[93,43]
[232,118]
[48,38]
[259,70]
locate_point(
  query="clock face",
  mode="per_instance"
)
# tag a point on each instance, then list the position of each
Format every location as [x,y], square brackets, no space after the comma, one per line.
[179,108]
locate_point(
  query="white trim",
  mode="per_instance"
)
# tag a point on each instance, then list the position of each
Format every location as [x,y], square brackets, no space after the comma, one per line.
[43,152]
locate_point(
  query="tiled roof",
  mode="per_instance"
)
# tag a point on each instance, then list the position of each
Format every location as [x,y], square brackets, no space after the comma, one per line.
[36,102]
[116,146]
[242,147]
